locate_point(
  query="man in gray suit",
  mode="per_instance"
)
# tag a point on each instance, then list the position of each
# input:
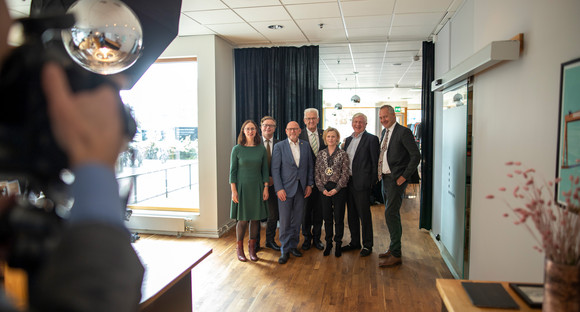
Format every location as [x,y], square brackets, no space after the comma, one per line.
[312,223]
[398,160]
[292,171]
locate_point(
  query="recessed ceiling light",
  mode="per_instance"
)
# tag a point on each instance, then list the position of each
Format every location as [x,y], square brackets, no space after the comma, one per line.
[396,64]
[275,26]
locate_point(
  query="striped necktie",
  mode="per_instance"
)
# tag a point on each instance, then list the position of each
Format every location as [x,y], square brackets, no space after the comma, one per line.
[314,143]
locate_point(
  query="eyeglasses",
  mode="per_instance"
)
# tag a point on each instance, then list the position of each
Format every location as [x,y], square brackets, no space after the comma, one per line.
[269,126]
[250,129]
[310,119]
[292,129]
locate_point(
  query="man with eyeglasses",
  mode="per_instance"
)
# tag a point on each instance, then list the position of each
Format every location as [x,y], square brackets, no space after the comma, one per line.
[312,223]
[292,171]
[268,126]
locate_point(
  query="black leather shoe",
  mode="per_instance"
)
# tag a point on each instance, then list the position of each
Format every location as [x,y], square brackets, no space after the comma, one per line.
[273,245]
[283,258]
[295,252]
[365,252]
[306,245]
[349,247]
[318,244]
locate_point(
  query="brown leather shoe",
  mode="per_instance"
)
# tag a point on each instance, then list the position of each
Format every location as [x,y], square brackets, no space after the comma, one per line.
[385,254]
[390,261]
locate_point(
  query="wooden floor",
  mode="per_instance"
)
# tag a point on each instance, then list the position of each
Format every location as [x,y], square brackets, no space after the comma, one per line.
[318,283]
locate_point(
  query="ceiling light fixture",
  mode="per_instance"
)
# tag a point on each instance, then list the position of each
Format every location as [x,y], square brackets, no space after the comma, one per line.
[396,64]
[355,98]
[275,27]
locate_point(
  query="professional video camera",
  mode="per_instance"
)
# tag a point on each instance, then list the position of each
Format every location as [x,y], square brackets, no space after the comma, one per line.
[28,150]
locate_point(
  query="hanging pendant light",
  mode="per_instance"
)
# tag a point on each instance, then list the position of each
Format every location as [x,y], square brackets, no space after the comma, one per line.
[355,98]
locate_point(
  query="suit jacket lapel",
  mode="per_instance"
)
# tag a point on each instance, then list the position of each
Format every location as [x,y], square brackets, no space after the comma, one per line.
[304,148]
[361,143]
[395,132]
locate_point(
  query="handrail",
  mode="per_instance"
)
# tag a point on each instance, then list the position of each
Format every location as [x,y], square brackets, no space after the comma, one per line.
[134,177]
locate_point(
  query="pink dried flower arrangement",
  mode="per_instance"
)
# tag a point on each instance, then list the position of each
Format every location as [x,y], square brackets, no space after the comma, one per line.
[558,227]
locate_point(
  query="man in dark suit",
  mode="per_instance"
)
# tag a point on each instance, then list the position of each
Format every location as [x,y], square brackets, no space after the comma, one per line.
[293,180]
[363,151]
[312,223]
[268,125]
[398,160]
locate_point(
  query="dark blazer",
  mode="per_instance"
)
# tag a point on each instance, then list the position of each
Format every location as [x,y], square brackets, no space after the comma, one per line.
[284,171]
[274,141]
[304,136]
[365,161]
[402,154]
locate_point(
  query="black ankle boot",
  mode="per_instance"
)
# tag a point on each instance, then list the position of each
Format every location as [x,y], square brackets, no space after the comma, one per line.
[328,248]
[337,250]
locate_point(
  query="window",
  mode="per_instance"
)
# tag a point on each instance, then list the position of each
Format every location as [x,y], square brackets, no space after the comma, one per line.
[160,167]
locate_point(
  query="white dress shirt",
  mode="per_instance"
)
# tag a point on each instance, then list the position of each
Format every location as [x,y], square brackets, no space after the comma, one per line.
[295,147]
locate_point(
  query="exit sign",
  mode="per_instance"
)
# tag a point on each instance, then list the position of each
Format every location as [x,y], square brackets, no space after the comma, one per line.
[397,109]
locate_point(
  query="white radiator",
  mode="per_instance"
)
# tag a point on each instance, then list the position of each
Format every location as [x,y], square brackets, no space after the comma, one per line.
[146,223]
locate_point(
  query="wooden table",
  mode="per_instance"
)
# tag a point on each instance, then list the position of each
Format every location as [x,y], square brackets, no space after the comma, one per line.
[455,299]
[167,281]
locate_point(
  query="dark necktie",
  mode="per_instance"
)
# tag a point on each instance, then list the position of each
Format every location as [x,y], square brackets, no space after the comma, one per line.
[269,153]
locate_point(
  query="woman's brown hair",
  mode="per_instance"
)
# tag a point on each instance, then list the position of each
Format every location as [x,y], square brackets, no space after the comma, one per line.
[242,136]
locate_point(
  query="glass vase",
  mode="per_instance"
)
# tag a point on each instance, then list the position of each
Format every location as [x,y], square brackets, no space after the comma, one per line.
[561,287]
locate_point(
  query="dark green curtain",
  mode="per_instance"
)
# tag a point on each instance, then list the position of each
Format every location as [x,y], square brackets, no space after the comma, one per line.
[280,82]
[427,122]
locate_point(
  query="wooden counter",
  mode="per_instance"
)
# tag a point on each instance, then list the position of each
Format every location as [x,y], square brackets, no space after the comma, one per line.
[167,281]
[455,299]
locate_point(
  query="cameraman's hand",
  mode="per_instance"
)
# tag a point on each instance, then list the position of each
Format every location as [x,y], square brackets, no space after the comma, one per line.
[87,124]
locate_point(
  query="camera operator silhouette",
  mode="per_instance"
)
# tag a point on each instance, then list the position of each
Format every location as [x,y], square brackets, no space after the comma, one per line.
[93,267]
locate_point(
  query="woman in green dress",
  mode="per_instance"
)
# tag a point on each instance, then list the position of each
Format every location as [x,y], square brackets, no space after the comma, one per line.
[249,178]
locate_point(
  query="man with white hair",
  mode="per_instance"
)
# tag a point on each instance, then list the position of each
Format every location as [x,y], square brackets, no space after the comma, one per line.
[312,223]
[363,152]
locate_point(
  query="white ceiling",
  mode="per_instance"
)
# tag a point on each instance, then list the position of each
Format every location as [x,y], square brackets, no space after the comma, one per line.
[376,39]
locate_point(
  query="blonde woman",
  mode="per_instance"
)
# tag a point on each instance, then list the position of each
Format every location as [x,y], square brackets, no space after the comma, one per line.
[331,174]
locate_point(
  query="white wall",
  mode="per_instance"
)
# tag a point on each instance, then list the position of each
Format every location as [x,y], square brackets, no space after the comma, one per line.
[216,106]
[515,118]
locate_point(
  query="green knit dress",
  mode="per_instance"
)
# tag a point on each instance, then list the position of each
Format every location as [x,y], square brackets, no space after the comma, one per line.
[249,170]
